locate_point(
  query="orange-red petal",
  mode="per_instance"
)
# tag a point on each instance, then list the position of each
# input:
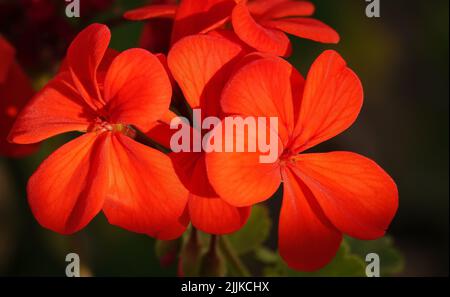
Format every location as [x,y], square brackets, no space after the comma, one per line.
[267,40]
[69,188]
[201,65]
[208,212]
[240,178]
[215,216]
[137,89]
[84,56]
[260,7]
[231,36]
[307,28]
[357,196]
[152,11]
[306,239]
[191,169]
[56,109]
[266,87]
[145,194]
[195,17]
[331,101]
[289,8]
[176,228]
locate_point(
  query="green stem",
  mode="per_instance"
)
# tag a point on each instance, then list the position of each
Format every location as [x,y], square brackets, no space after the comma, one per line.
[213,243]
[233,258]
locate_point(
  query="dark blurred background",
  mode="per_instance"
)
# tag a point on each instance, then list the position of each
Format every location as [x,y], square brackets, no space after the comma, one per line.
[402,60]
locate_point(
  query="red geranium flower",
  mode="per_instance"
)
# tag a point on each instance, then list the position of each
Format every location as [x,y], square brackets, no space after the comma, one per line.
[261,24]
[325,195]
[188,18]
[15,91]
[102,93]
[201,65]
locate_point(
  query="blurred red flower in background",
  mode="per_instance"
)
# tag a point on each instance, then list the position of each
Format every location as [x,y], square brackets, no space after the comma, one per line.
[325,195]
[40,30]
[15,91]
[187,18]
[101,92]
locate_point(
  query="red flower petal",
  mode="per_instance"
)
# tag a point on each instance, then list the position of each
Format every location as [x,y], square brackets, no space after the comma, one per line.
[152,11]
[103,68]
[264,39]
[201,65]
[289,8]
[215,216]
[207,211]
[195,17]
[191,169]
[15,91]
[331,102]
[305,28]
[259,7]
[275,88]
[83,59]
[176,228]
[68,188]
[356,195]
[56,109]
[306,240]
[239,177]
[231,36]
[145,194]
[137,89]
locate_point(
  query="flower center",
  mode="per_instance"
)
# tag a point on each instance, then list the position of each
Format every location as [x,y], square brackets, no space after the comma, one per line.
[286,155]
[100,125]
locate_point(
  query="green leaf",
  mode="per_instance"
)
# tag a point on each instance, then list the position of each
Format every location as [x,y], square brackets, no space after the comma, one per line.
[344,264]
[391,261]
[254,233]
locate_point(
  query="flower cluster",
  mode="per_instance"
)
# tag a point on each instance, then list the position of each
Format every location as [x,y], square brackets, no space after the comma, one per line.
[226,58]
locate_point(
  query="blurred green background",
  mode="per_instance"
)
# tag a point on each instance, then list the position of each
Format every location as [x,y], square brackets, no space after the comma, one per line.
[402,60]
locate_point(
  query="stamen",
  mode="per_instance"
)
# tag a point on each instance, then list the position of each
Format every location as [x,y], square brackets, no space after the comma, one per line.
[100,126]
